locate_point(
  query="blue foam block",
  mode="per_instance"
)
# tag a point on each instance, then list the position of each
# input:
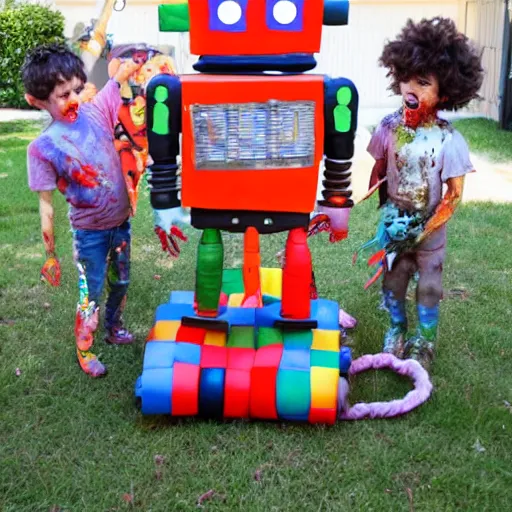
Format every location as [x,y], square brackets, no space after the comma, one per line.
[211,392]
[267,315]
[154,388]
[159,354]
[189,353]
[345,359]
[173,311]
[181,297]
[326,313]
[295,358]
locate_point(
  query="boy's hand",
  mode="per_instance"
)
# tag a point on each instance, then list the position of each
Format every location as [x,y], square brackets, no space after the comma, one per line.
[332,220]
[51,271]
[126,69]
[166,227]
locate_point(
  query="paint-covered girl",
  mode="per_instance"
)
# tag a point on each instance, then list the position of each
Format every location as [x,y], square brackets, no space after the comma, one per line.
[433,67]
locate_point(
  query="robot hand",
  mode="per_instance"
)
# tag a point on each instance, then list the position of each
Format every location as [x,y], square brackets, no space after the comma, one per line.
[51,271]
[166,227]
[332,220]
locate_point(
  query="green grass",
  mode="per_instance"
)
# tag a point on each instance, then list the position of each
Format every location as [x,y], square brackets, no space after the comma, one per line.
[485,137]
[70,443]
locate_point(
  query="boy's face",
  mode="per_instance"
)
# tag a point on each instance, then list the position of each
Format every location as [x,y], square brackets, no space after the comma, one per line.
[64,101]
[421,94]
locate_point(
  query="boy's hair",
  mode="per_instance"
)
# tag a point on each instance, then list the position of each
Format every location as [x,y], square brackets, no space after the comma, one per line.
[49,65]
[435,47]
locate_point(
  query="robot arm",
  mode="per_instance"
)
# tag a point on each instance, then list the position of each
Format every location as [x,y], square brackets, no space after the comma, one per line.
[163,131]
[340,117]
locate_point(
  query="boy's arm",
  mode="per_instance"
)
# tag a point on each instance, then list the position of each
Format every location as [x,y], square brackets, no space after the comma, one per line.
[51,268]
[446,207]
[108,100]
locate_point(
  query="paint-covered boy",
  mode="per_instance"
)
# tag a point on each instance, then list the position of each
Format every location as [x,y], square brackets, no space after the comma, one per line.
[76,155]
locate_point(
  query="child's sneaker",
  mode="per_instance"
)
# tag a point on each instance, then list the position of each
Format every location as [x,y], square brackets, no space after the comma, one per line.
[90,364]
[394,341]
[119,336]
[420,350]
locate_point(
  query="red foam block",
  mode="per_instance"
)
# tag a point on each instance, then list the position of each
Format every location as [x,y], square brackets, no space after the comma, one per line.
[241,358]
[185,389]
[237,391]
[194,335]
[214,357]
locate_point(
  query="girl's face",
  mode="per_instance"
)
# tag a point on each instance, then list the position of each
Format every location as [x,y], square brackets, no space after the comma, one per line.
[420,95]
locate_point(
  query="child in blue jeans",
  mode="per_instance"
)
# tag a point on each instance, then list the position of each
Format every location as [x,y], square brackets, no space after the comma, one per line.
[77,156]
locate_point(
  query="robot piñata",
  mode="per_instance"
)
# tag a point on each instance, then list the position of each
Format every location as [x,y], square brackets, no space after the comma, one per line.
[250,342]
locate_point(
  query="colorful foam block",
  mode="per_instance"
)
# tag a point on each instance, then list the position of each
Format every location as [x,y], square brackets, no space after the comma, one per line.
[271,281]
[263,382]
[187,353]
[158,354]
[214,357]
[268,336]
[241,358]
[325,359]
[165,330]
[154,390]
[298,339]
[235,300]
[211,392]
[232,281]
[323,416]
[293,394]
[324,388]
[345,359]
[295,358]
[185,389]
[237,391]
[189,334]
[181,297]
[326,340]
[173,311]
[216,338]
[242,337]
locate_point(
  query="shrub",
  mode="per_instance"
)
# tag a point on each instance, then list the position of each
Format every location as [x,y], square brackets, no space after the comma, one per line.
[23,27]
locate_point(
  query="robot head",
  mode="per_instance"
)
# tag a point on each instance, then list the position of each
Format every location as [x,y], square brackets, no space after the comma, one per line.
[255,27]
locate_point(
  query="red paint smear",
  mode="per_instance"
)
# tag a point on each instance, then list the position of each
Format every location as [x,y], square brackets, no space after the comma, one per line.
[87,177]
[421,115]
[70,111]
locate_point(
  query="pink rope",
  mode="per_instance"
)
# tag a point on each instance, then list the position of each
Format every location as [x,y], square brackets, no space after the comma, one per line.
[410,368]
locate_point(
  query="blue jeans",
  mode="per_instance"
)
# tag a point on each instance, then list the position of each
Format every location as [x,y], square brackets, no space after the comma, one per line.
[106,253]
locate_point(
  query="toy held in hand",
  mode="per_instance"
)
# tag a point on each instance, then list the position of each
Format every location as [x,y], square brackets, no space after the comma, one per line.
[168,231]
[51,271]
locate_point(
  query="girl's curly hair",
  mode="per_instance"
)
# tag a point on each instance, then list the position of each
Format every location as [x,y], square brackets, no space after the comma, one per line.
[435,47]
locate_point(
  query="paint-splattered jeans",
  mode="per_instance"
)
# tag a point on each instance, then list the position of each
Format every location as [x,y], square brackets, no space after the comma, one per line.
[106,253]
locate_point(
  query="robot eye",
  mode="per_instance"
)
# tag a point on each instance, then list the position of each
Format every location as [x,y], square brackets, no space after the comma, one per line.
[228,15]
[285,15]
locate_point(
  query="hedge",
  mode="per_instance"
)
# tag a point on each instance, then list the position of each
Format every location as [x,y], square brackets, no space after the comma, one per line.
[22,28]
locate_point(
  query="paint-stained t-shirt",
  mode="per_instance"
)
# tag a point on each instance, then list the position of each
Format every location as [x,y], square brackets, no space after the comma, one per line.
[80,160]
[419,161]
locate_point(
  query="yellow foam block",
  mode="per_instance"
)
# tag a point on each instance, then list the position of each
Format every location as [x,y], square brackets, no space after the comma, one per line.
[271,281]
[235,300]
[166,330]
[324,387]
[326,340]
[216,338]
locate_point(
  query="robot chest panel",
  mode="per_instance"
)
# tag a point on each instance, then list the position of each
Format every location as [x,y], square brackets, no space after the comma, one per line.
[247,140]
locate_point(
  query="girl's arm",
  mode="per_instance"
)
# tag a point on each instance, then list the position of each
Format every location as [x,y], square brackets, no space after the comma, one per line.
[446,207]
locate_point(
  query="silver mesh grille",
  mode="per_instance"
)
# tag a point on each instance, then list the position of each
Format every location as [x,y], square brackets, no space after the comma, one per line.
[275,134]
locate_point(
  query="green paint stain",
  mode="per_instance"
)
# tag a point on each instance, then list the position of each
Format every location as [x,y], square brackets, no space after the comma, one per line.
[161,112]
[341,112]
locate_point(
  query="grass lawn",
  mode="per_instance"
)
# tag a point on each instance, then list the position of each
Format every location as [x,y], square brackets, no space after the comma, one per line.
[69,443]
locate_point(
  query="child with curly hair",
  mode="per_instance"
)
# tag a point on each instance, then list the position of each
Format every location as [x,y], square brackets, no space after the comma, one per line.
[76,155]
[433,67]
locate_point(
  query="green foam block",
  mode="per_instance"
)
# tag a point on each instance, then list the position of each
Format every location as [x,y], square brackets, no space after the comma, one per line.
[269,336]
[232,281]
[303,339]
[174,17]
[325,359]
[241,337]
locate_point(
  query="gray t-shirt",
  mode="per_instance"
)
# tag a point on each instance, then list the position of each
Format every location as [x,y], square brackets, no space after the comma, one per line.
[419,161]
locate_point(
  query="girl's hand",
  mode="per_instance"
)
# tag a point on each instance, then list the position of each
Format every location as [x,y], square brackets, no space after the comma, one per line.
[51,271]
